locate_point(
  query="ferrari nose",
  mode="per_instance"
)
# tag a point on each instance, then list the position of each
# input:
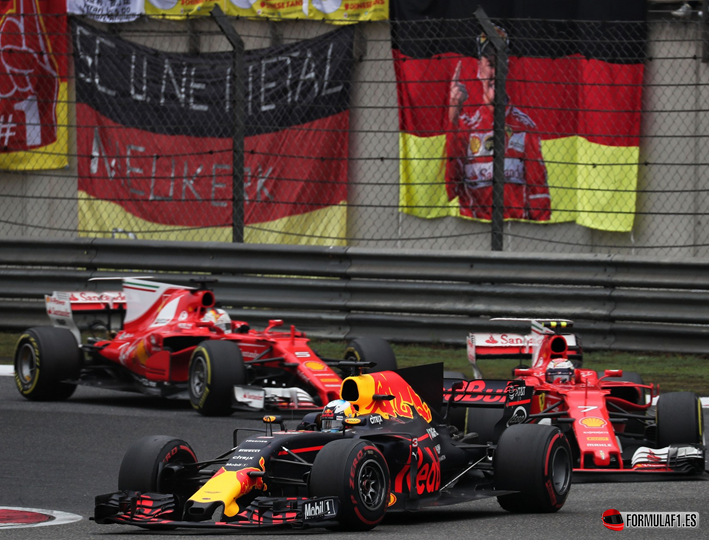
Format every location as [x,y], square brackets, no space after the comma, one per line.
[601,459]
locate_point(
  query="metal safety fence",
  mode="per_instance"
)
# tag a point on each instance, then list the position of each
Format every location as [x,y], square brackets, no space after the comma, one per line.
[378,134]
[415,296]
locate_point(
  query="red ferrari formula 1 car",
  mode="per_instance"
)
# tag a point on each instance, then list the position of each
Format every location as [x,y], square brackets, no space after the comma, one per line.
[382,447]
[173,342]
[608,417]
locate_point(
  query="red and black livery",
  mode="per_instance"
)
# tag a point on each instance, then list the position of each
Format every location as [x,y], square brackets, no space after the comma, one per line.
[399,453]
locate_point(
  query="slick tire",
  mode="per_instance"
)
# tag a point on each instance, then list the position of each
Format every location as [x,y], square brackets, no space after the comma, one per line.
[215,367]
[536,461]
[355,471]
[45,358]
[143,462]
[372,349]
[679,419]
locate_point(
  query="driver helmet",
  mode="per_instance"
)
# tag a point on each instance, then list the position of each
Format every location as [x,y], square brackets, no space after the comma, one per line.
[220,318]
[334,414]
[560,371]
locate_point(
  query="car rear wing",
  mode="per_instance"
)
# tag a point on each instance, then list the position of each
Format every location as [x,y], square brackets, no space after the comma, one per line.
[61,306]
[514,397]
[521,346]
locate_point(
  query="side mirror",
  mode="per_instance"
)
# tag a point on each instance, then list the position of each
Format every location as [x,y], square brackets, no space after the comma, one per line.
[613,373]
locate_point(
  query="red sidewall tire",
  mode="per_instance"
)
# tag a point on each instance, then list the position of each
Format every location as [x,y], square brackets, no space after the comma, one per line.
[141,465]
[536,461]
[356,472]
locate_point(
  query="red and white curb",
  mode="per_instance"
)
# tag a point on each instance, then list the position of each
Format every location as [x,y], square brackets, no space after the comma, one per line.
[17,518]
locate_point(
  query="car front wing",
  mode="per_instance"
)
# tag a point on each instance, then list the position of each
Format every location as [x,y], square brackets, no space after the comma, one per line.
[161,511]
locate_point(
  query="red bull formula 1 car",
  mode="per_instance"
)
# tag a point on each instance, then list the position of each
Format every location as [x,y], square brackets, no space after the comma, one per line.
[396,453]
[608,417]
[172,342]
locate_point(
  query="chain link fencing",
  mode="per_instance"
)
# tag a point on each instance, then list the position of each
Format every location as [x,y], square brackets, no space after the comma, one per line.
[377,134]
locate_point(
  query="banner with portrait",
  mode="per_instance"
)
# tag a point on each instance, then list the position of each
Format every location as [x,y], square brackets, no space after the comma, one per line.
[33,84]
[574,102]
[155,130]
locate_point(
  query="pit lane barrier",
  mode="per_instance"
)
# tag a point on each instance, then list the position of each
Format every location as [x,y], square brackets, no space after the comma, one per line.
[618,302]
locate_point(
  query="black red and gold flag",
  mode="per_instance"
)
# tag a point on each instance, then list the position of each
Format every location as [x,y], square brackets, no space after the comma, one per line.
[154,139]
[574,92]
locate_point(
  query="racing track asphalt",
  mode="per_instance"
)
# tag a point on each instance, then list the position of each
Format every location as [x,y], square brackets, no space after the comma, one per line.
[58,456]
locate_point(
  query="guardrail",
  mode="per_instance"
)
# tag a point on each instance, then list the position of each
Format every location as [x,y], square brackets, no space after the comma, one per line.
[617,302]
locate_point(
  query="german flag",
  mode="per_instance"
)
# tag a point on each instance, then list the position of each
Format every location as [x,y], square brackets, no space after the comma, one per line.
[574,94]
[154,139]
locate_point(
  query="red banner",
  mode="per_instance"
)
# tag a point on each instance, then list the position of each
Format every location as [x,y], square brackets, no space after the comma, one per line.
[33,69]
[187,181]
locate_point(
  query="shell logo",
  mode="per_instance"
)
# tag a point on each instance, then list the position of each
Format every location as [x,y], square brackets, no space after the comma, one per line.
[392,499]
[592,421]
[475,144]
[315,366]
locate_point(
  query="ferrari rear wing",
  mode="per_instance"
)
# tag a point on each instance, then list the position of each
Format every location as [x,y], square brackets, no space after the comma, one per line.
[520,346]
[61,306]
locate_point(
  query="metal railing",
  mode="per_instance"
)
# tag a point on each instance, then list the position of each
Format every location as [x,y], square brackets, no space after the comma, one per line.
[617,302]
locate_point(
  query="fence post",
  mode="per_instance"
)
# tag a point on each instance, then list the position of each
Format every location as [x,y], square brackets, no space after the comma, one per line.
[498,162]
[239,123]
[705,31]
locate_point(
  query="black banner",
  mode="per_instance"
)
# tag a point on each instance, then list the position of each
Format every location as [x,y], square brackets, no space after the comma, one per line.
[598,29]
[192,94]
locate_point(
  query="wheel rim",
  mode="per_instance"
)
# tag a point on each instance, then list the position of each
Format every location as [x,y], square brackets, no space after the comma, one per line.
[198,377]
[26,366]
[372,484]
[560,470]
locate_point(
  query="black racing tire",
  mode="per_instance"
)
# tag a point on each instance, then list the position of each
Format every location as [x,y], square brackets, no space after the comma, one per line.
[536,461]
[679,419]
[215,367]
[482,420]
[141,465]
[45,358]
[628,394]
[372,349]
[356,472]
